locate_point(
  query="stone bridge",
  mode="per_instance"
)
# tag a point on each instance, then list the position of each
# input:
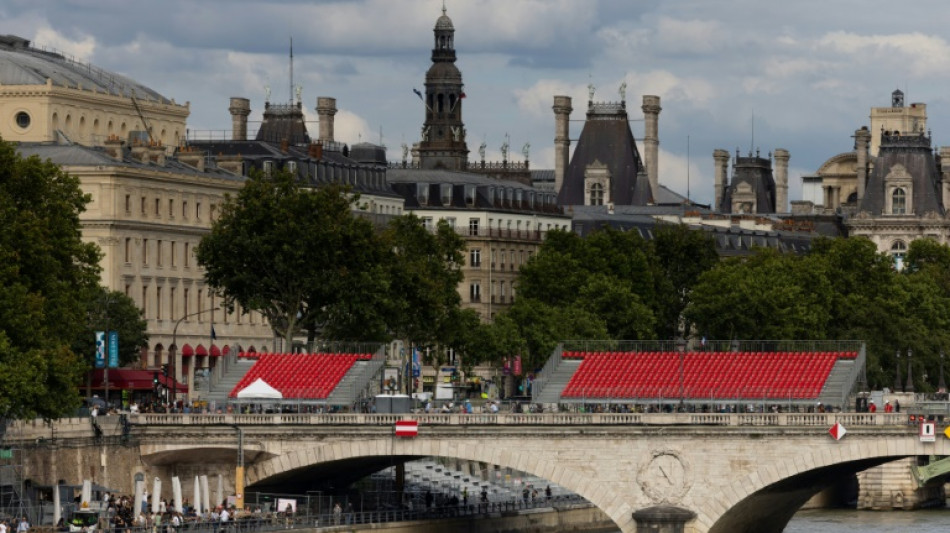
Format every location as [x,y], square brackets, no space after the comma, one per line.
[736,472]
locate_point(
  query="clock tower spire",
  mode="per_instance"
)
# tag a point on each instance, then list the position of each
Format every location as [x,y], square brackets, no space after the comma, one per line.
[443,132]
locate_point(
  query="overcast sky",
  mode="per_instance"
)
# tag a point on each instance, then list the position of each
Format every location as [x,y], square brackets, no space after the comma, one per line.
[809,71]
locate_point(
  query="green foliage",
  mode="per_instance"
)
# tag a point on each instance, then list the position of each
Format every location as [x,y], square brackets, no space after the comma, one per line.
[112,311]
[46,272]
[611,285]
[303,259]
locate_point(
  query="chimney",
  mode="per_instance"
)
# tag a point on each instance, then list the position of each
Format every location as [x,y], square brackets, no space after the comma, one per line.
[781,180]
[156,154]
[193,158]
[651,139]
[862,139]
[231,163]
[562,139]
[720,175]
[326,108]
[139,150]
[113,146]
[240,109]
[316,150]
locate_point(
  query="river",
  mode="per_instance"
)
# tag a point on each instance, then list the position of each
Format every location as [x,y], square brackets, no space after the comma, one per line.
[843,520]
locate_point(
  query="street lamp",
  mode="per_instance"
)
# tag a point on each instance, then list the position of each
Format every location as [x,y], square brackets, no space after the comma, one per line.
[941,384]
[910,372]
[897,368]
[681,350]
[174,358]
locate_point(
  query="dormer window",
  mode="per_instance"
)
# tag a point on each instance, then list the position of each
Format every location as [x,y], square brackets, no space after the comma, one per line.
[596,194]
[422,193]
[470,195]
[899,202]
[446,193]
[292,167]
[268,168]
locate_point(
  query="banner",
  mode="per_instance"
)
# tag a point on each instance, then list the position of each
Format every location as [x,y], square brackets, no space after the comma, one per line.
[113,349]
[517,370]
[416,367]
[100,349]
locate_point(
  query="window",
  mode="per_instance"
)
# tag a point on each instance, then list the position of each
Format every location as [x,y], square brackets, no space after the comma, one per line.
[475,292]
[197,210]
[128,289]
[214,208]
[899,202]
[475,258]
[184,304]
[128,250]
[268,168]
[427,223]
[158,253]
[501,290]
[184,209]
[145,251]
[157,206]
[171,303]
[504,255]
[158,303]
[596,194]
[172,246]
[143,205]
[23,120]
[171,208]
[201,307]
[145,301]
[187,255]
[473,226]
[128,203]
[898,252]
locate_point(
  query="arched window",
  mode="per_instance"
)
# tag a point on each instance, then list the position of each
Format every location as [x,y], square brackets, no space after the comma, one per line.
[596,194]
[899,203]
[440,107]
[898,252]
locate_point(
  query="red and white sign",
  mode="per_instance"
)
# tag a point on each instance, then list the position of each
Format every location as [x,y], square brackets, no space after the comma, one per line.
[837,431]
[928,432]
[407,428]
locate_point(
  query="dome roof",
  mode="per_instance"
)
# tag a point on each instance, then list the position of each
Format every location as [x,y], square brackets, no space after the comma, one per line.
[21,64]
[444,22]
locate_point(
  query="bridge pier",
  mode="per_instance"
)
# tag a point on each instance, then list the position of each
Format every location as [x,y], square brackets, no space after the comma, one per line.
[662,519]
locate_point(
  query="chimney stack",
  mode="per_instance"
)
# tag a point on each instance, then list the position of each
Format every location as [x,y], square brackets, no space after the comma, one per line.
[651,140]
[720,175]
[781,156]
[326,108]
[862,139]
[240,109]
[562,139]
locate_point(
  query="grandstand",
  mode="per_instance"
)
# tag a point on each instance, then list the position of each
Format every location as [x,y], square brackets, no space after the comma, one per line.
[786,373]
[324,378]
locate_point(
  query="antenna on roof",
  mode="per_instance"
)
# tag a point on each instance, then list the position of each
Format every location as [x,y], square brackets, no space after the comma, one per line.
[291,69]
[687,170]
[752,144]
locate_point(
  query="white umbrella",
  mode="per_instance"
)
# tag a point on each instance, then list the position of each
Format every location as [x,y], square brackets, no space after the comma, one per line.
[86,491]
[156,494]
[176,494]
[205,496]
[57,512]
[139,494]
[219,495]
[197,498]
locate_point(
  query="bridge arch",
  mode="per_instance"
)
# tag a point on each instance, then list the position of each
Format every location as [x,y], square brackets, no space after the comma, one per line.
[765,500]
[522,460]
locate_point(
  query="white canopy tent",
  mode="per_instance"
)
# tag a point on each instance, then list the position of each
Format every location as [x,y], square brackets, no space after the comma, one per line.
[259,390]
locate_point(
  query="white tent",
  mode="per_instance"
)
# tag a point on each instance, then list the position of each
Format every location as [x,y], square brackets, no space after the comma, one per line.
[259,389]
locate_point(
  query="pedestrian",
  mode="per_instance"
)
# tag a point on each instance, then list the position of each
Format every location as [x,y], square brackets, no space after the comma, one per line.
[897,406]
[547,492]
[888,408]
[337,511]
[871,407]
[349,513]
[23,526]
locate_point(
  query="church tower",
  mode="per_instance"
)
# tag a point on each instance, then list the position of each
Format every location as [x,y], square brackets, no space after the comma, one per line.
[443,133]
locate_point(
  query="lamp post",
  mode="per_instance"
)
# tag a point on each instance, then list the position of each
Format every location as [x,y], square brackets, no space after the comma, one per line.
[897,368]
[174,358]
[941,384]
[910,372]
[239,471]
[681,350]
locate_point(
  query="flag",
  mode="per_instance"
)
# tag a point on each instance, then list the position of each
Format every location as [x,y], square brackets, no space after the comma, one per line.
[462,95]
[213,336]
[407,428]
[837,431]
[418,93]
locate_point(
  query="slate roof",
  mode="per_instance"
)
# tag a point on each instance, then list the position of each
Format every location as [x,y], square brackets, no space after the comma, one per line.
[21,64]
[607,139]
[914,152]
[757,172]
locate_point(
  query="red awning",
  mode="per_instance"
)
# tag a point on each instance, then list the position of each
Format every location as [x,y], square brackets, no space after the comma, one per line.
[215,351]
[226,350]
[201,350]
[187,351]
[132,379]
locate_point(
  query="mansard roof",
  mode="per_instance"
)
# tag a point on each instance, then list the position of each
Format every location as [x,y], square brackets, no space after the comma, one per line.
[912,151]
[757,173]
[607,138]
[283,122]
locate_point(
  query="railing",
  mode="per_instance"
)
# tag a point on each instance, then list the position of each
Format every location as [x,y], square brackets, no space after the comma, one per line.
[823,420]
[716,345]
[541,380]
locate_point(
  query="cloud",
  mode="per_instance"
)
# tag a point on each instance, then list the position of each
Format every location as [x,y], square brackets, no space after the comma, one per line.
[673,174]
[689,37]
[350,128]
[921,54]
[82,49]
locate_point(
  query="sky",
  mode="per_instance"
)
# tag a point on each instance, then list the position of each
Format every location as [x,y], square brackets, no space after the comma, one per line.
[746,74]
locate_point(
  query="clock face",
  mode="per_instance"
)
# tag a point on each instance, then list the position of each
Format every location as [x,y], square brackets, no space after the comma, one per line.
[665,477]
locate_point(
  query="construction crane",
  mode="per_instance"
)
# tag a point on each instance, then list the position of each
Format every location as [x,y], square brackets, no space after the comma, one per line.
[138,109]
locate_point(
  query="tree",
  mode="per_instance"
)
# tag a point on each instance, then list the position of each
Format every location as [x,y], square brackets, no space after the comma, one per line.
[297,255]
[424,277]
[683,255]
[46,271]
[112,311]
